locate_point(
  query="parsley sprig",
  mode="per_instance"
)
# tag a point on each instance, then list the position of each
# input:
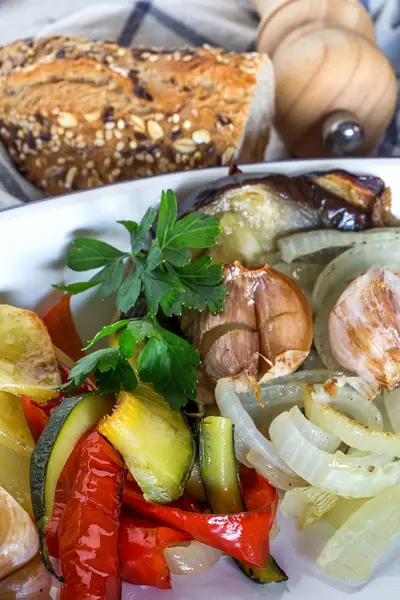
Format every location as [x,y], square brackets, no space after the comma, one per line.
[170,281]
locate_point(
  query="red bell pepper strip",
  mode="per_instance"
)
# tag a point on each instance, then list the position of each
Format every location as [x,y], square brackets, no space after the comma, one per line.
[35,417]
[142,544]
[257,492]
[241,535]
[61,327]
[89,527]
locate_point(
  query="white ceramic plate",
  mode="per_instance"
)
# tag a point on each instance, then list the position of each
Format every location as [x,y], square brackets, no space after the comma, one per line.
[33,242]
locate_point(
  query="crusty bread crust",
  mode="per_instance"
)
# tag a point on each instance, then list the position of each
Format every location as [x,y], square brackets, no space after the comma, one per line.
[75,114]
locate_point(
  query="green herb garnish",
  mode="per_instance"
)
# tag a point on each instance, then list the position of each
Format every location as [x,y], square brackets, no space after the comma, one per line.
[169,280]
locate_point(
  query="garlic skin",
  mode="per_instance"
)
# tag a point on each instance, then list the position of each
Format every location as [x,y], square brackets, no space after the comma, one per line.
[31,582]
[284,322]
[264,331]
[364,328]
[19,541]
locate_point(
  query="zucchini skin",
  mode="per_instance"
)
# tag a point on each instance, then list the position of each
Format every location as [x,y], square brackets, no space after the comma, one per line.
[218,467]
[42,456]
[269,574]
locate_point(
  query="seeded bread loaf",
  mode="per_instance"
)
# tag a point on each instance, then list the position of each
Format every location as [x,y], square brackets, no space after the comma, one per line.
[75,114]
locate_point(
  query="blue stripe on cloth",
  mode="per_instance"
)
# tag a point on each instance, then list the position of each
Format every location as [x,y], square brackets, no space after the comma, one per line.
[253,14]
[134,22]
[184,31]
[252,46]
[365,3]
[11,185]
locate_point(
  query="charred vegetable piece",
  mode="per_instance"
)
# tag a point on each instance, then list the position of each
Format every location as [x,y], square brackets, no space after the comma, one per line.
[359,190]
[155,441]
[66,425]
[255,210]
[218,465]
[219,470]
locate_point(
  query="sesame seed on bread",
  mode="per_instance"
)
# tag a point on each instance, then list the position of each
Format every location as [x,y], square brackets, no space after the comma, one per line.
[75,114]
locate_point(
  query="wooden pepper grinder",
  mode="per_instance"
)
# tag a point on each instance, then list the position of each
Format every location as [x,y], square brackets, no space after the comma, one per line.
[335,90]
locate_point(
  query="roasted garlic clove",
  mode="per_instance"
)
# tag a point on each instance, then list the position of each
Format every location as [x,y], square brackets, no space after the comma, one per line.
[364,328]
[284,322]
[19,541]
[264,331]
[31,582]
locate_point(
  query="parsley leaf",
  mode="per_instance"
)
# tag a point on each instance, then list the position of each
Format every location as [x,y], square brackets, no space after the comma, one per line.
[201,279]
[129,292]
[76,288]
[142,328]
[154,256]
[195,230]
[85,367]
[161,288]
[105,332]
[88,253]
[127,344]
[167,361]
[166,216]
[110,278]
[165,277]
[138,233]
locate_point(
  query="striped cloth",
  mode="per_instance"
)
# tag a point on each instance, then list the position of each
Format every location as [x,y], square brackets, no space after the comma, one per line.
[231,24]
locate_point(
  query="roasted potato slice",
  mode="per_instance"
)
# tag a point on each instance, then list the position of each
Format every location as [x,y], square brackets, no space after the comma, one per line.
[28,364]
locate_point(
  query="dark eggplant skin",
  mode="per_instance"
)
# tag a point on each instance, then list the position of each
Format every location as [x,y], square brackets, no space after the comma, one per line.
[333,211]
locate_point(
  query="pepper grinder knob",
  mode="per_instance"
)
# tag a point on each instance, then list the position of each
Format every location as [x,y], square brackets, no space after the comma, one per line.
[335,90]
[342,134]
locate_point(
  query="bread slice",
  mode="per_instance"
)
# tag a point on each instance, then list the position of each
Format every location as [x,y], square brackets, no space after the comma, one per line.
[75,114]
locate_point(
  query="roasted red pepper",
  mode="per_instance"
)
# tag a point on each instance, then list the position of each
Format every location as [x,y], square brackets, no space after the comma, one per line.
[257,492]
[241,535]
[60,324]
[35,417]
[142,544]
[88,531]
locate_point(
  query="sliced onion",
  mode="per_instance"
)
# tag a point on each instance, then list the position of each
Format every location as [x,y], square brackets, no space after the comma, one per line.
[392,405]
[191,558]
[298,245]
[307,504]
[350,552]
[341,396]
[343,509]
[247,437]
[313,362]
[321,337]
[319,438]
[319,409]
[282,393]
[304,274]
[346,476]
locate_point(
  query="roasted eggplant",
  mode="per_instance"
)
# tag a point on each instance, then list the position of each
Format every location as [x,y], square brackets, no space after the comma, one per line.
[255,210]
